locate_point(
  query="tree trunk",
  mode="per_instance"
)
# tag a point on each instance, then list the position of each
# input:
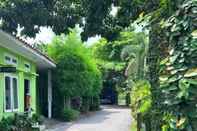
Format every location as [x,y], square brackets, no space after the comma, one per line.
[148,125]
[152,74]
[139,122]
[67,102]
[153,57]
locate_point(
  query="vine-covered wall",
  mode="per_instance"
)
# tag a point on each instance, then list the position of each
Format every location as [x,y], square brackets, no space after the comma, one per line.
[178,77]
[172,70]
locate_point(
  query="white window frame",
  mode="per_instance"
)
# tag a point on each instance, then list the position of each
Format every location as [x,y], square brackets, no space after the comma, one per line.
[17,87]
[11,76]
[11,59]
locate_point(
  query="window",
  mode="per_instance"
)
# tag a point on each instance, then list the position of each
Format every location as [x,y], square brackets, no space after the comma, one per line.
[11,93]
[27,66]
[7,93]
[11,60]
[14,61]
[7,58]
[15,93]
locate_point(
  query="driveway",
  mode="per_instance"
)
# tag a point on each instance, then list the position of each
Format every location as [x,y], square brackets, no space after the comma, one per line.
[110,118]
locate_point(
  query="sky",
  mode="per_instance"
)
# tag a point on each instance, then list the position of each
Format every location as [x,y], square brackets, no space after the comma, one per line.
[45,35]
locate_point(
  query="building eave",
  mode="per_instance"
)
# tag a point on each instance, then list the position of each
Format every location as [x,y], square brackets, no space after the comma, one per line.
[24,49]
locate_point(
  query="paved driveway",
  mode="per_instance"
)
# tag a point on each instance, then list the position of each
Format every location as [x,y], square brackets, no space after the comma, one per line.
[110,118]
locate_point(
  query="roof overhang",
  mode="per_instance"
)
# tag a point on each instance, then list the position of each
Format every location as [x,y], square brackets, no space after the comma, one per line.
[18,47]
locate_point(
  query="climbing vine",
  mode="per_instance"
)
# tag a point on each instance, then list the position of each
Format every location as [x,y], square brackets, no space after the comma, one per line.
[178,70]
[171,68]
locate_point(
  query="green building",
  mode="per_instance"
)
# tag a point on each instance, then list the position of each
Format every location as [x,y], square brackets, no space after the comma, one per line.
[20,65]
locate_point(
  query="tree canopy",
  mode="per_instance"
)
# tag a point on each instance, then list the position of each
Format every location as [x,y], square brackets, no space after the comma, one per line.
[77,73]
[60,15]
[93,15]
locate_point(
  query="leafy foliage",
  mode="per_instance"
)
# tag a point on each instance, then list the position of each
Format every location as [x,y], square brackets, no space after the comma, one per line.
[141,99]
[61,15]
[70,114]
[135,54]
[58,14]
[109,61]
[174,42]
[130,10]
[117,59]
[175,124]
[76,74]
[74,61]
[19,123]
[170,64]
[178,72]
[98,20]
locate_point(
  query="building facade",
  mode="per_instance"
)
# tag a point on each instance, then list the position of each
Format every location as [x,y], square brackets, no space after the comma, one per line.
[19,65]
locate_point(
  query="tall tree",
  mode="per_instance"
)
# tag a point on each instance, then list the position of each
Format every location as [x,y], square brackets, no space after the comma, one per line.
[93,15]
[76,74]
[30,14]
[97,11]
[130,10]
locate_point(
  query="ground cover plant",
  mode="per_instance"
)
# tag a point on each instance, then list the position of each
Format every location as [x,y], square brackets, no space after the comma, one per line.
[20,122]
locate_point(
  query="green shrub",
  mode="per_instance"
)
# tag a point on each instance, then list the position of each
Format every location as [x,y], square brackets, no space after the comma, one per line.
[141,99]
[38,118]
[23,122]
[174,123]
[70,114]
[5,124]
[18,123]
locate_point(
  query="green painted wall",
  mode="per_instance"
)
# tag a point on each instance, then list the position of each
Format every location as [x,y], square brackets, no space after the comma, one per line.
[21,74]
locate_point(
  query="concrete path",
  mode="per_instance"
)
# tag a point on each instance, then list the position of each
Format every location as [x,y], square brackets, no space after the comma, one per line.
[110,118]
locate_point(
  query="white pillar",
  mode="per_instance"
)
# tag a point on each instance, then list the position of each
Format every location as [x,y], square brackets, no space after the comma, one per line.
[49,94]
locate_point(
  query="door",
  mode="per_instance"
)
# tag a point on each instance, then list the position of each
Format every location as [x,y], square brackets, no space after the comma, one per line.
[27,95]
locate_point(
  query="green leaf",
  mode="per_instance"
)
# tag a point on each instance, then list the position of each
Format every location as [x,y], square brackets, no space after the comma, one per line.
[192,81]
[164,61]
[174,78]
[194,34]
[163,78]
[174,57]
[191,72]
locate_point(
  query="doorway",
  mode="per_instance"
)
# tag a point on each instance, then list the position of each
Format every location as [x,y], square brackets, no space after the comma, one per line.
[27,95]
